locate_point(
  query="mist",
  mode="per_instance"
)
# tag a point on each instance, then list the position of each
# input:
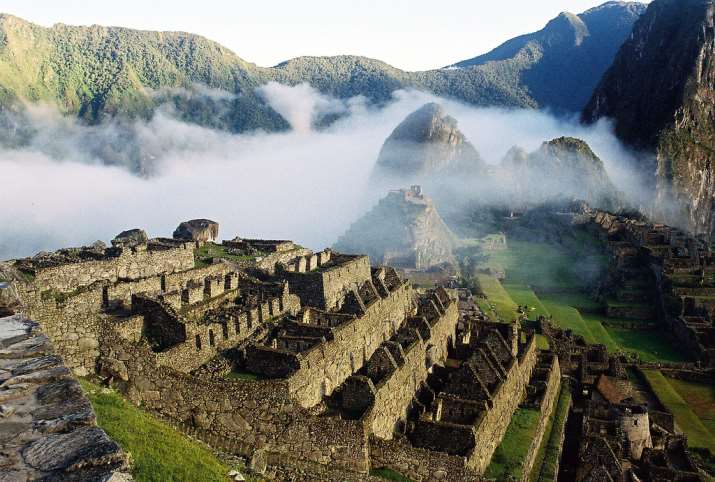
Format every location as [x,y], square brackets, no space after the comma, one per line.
[307,184]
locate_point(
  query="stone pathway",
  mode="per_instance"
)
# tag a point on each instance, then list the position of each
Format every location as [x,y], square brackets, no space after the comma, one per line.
[47,426]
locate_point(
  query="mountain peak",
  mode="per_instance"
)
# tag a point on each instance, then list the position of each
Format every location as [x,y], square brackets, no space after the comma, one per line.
[427,141]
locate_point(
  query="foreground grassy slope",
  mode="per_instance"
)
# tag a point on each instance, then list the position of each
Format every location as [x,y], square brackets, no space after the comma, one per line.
[159,452]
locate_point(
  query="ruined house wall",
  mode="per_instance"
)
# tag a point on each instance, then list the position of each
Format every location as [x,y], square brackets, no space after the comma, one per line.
[247,416]
[73,326]
[548,404]
[132,263]
[326,366]
[325,288]
[493,425]
[394,394]
[205,340]
[418,464]
[178,280]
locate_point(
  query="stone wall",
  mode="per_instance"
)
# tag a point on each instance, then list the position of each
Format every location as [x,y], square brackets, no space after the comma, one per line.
[326,287]
[249,416]
[548,404]
[130,264]
[47,427]
[73,326]
[327,365]
[493,424]
[418,464]
[395,392]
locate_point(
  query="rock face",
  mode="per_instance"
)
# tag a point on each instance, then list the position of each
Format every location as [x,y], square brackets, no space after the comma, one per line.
[403,230]
[426,143]
[660,93]
[47,426]
[197,230]
[131,237]
[564,167]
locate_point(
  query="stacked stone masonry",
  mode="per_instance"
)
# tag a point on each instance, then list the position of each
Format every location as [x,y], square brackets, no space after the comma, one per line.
[354,367]
[47,426]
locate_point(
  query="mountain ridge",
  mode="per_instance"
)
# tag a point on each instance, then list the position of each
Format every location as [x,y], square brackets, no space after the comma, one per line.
[99,71]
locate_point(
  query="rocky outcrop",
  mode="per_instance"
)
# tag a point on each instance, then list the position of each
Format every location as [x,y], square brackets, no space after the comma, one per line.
[403,230]
[197,230]
[565,167]
[47,426]
[660,94]
[131,237]
[425,144]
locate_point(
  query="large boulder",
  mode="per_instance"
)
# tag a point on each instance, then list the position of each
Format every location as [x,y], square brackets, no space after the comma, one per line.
[129,238]
[197,230]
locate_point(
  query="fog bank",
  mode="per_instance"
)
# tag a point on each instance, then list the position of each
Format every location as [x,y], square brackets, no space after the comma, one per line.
[307,184]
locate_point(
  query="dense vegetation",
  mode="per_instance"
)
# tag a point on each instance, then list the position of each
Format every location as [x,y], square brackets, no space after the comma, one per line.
[94,72]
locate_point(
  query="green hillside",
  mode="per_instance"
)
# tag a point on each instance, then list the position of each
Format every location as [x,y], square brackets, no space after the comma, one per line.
[96,71]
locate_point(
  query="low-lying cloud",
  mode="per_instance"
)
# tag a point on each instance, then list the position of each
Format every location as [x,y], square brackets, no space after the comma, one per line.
[305,184]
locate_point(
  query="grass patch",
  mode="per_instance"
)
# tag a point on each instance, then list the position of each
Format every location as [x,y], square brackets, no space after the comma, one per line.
[700,398]
[651,346]
[159,452]
[687,420]
[204,255]
[243,376]
[389,474]
[507,461]
[498,297]
[545,466]
[542,343]
[546,266]
[568,317]
[525,296]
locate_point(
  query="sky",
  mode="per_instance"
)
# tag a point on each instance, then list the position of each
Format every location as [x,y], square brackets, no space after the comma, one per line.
[409,34]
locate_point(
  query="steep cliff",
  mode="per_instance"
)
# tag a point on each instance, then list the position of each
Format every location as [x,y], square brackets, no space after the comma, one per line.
[427,143]
[403,230]
[562,63]
[660,93]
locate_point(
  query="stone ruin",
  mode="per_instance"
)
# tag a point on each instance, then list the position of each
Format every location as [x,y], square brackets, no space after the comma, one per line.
[340,364]
[658,262]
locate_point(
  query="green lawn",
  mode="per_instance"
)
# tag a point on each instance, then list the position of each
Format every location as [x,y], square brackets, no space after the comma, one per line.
[568,317]
[498,297]
[685,417]
[546,266]
[700,398]
[524,296]
[551,447]
[650,345]
[204,255]
[509,456]
[159,453]
[547,278]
